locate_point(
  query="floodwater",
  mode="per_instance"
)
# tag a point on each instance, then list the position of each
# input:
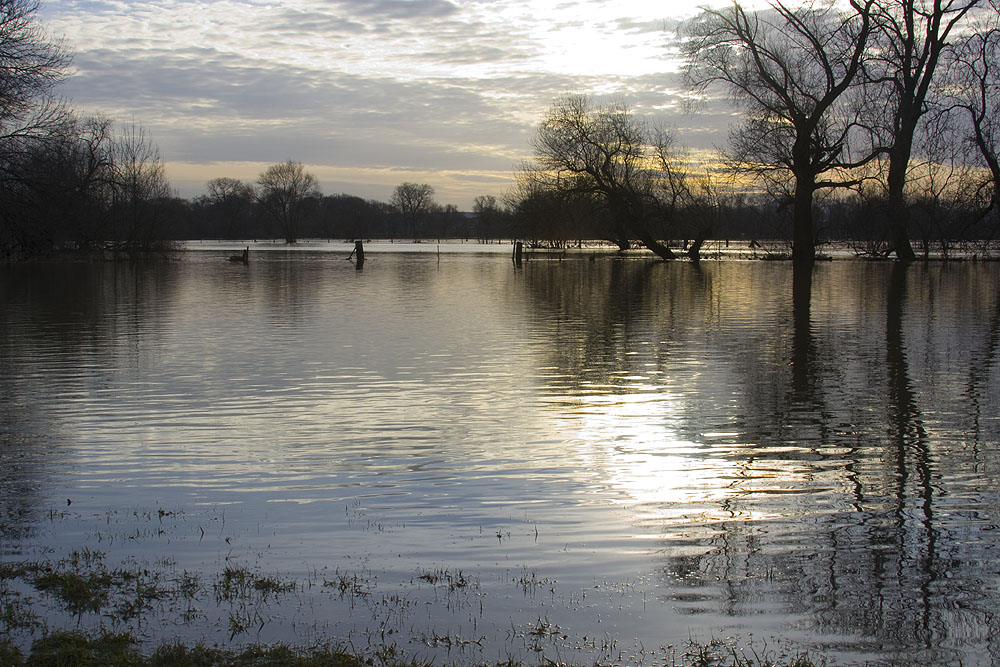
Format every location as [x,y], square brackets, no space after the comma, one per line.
[570,460]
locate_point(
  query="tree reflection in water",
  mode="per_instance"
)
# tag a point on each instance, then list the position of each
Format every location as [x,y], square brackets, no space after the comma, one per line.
[849,484]
[815,451]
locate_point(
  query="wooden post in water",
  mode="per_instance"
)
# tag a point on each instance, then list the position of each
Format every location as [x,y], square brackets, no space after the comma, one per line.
[359,250]
[243,257]
[518,250]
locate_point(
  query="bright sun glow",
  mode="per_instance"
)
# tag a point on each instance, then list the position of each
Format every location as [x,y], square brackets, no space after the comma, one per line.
[667,481]
[633,437]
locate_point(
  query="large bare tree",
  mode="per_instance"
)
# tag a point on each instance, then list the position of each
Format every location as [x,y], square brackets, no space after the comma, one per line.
[140,188]
[415,201]
[910,42]
[975,91]
[791,70]
[607,154]
[30,66]
[232,198]
[283,190]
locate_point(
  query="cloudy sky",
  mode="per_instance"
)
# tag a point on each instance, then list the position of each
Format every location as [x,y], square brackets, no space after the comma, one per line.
[366,93]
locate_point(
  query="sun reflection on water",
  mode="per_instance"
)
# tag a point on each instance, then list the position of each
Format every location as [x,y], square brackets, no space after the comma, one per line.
[662,472]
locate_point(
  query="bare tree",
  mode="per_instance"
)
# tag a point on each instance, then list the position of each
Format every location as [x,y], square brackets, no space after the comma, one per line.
[489,218]
[30,65]
[604,153]
[547,217]
[284,190]
[912,37]
[232,197]
[94,188]
[692,203]
[414,201]
[140,189]
[976,94]
[75,191]
[791,70]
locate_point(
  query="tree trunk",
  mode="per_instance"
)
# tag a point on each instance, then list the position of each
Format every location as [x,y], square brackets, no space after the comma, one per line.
[989,156]
[899,160]
[660,250]
[803,238]
[694,251]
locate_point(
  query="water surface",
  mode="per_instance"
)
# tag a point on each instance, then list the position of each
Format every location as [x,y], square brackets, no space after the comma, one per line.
[571,459]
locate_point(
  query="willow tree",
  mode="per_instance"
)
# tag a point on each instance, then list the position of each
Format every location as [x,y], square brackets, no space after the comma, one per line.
[793,72]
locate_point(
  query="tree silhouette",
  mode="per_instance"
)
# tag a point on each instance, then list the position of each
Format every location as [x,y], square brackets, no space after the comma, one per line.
[414,201]
[791,70]
[284,189]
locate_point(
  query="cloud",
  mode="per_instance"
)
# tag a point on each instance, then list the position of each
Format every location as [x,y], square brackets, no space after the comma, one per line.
[399,9]
[323,23]
[380,87]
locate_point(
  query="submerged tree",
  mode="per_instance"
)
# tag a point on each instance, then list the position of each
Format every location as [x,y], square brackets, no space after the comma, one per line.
[791,70]
[284,189]
[607,155]
[976,94]
[911,39]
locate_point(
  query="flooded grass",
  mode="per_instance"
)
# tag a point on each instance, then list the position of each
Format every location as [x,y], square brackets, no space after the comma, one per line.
[349,586]
[79,593]
[73,649]
[83,610]
[239,583]
[444,577]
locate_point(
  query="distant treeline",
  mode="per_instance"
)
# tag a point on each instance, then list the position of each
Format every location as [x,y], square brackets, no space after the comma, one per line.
[938,225]
[874,123]
[340,216]
[140,214]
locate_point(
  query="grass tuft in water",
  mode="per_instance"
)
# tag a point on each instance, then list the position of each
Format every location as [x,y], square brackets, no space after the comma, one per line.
[9,655]
[188,586]
[348,586]
[453,581]
[76,650]
[79,593]
[16,613]
[726,653]
[238,583]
